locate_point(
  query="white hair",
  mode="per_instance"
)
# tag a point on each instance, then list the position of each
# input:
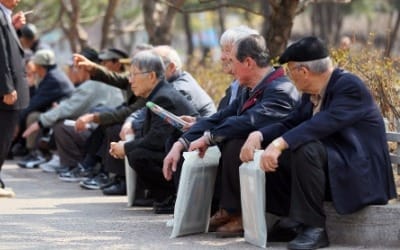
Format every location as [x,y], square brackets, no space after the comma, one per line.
[232,35]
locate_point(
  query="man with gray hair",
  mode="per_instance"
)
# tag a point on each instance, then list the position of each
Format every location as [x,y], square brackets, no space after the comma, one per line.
[145,154]
[332,147]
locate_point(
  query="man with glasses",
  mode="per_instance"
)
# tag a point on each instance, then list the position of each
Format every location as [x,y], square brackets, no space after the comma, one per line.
[333,147]
[145,154]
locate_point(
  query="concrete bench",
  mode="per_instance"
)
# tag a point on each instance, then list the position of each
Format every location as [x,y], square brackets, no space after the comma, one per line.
[372,226]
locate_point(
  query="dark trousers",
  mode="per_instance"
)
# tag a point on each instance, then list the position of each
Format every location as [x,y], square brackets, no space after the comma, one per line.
[71,145]
[8,123]
[297,189]
[112,165]
[148,166]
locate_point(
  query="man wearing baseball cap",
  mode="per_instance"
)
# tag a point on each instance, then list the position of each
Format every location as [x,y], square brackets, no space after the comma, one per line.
[113,59]
[333,147]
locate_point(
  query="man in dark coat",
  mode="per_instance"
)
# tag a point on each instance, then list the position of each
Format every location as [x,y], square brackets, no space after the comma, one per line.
[269,97]
[333,147]
[13,87]
[146,154]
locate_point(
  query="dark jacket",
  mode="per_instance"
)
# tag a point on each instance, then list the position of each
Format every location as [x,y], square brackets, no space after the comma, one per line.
[54,87]
[275,102]
[12,70]
[351,127]
[155,130]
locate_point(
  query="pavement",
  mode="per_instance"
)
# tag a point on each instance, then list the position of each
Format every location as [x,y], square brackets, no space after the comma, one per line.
[47,213]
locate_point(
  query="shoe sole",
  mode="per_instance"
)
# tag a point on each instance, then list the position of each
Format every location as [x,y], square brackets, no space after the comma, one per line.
[71,180]
[88,187]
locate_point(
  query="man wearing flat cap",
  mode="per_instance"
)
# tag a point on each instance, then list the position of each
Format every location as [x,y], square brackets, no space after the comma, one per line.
[332,147]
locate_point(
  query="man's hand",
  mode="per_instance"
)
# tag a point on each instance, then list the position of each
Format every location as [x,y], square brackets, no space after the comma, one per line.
[18,20]
[82,122]
[10,98]
[126,130]
[32,128]
[190,121]
[84,63]
[200,145]
[269,158]
[252,143]
[171,160]
[117,149]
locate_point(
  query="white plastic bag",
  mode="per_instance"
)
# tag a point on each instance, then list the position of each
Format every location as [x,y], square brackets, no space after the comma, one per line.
[130,177]
[252,190]
[196,188]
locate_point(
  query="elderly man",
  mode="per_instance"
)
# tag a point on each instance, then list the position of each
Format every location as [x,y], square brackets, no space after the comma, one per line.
[145,154]
[269,97]
[87,95]
[333,147]
[52,88]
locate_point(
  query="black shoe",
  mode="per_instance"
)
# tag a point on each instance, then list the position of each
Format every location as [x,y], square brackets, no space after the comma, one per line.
[32,160]
[78,173]
[142,202]
[165,207]
[19,149]
[2,185]
[118,188]
[310,238]
[96,182]
[284,230]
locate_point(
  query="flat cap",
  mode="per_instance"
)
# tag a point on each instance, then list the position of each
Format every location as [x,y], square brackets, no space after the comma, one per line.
[306,49]
[44,57]
[112,53]
[29,31]
[90,54]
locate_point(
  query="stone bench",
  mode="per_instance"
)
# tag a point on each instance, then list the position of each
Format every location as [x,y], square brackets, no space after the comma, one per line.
[372,226]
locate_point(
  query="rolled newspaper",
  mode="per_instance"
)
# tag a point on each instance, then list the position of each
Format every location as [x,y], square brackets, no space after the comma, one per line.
[167,116]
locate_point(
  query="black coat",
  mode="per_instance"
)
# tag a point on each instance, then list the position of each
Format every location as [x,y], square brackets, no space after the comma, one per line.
[156,131]
[351,127]
[12,69]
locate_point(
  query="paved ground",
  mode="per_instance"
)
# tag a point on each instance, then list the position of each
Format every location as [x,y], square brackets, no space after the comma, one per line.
[50,214]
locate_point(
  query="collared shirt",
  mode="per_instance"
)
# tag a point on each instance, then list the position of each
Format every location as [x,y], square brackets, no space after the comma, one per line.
[316,99]
[7,13]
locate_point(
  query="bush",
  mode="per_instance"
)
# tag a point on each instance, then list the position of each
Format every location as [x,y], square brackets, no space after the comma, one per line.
[380,74]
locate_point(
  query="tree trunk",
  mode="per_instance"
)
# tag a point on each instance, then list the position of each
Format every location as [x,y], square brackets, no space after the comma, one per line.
[189,34]
[392,38]
[105,29]
[277,26]
[76,34]
[158,20]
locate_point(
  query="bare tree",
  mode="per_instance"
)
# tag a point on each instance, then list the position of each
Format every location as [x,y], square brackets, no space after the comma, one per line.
[77,36]
[110,11]
[159,21]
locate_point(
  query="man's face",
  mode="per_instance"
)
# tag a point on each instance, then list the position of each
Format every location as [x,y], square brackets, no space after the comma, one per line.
[9,4]
[111,65]
[141,82]
[225,55]
[240,70]
[298,74]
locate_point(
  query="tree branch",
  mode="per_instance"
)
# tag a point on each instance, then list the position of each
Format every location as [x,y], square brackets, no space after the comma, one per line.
[208,8]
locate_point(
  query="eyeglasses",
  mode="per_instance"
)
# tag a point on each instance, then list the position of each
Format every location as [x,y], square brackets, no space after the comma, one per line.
[131,75]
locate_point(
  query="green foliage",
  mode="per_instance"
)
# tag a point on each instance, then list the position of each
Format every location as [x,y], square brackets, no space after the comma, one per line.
[380,74]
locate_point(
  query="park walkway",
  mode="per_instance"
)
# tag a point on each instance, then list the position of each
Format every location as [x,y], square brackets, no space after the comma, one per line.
[50,214]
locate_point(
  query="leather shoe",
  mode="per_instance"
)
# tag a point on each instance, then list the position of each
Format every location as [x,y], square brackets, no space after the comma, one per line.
[284,230]
[234,228]
[118,188]
[165,207]
[220,218]
[310,238]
